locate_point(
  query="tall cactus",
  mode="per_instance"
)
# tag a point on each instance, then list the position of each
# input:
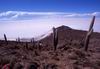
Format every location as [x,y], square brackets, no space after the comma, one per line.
[26,46]
[87,39]
[18,39]
[55,38]
[33,41]
[92,23]
[5,39]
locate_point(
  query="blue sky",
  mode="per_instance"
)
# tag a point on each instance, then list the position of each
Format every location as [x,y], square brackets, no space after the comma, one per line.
[32,18]
[50,5]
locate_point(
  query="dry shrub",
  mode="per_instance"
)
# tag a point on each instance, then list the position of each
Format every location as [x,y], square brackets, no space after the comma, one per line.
[32,65]
[18,66]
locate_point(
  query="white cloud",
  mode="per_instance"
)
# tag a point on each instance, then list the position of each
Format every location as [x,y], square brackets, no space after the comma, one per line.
[83,14]
[36,27]
[96,13]
[29,24]
[10,15]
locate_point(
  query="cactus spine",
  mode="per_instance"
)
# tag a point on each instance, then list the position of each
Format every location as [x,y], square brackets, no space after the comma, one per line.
[87,39]
[55,38]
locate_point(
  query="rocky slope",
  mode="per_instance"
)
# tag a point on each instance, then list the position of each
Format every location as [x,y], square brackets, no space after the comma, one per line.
[70,52]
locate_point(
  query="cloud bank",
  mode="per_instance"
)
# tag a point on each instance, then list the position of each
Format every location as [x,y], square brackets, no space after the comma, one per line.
[23,15]
[32,24]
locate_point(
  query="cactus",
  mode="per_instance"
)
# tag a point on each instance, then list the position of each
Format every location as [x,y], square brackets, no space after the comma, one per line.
[33,42]
[92,23]
[5,39]
[55,38]
[39,45]
[26,46]
[18,39]
[87,39]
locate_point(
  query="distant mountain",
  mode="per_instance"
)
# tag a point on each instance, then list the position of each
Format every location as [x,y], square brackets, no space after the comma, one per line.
[66,34]
[47,34]
[44,35]
[64,27]
[25,39]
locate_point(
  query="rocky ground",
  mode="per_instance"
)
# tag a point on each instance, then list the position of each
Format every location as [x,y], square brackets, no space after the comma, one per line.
[70,52]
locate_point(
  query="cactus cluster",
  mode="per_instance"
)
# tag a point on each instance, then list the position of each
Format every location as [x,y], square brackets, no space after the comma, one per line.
[87,39]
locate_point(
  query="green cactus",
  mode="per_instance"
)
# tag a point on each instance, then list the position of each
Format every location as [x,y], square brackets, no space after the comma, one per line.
[5,39]
[92,23]
[18,39]
[87,39]
[55,38]
[33,42]
[26,46]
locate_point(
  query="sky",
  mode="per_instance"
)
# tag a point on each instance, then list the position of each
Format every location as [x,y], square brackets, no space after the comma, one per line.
[31,18]
[50,5]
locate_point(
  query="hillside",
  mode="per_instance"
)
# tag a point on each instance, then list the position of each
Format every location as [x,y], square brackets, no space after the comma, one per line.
[70,52]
